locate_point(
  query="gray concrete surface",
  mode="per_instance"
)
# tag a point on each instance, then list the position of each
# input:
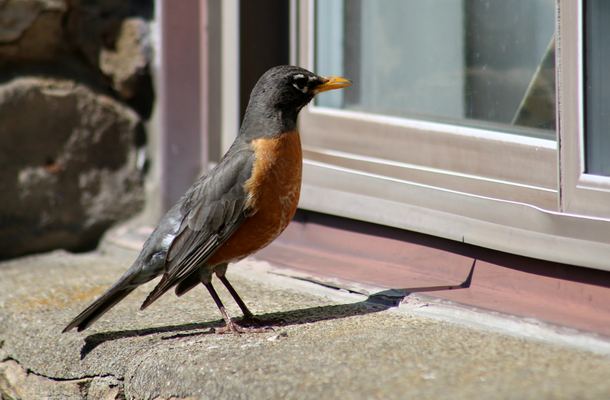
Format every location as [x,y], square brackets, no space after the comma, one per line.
[333,345]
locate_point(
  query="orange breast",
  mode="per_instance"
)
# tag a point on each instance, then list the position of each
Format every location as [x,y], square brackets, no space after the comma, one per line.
[273,193]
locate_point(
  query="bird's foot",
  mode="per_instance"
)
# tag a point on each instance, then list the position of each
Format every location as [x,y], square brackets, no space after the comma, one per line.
[236,329]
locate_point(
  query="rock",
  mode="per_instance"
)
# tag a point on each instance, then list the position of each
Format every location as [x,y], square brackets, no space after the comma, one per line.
[90,26]
[17,16]
[30,33]
[129,57]
[68,165]
[105,44]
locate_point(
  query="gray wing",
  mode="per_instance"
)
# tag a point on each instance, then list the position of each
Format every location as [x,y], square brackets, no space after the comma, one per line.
[211,211]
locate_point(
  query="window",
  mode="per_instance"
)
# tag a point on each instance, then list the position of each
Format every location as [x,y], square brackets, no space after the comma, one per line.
[451,127]
[583,89]
[491,62]
[597,87]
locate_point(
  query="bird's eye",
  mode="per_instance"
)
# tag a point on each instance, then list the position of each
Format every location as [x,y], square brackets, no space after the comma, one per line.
[300,82]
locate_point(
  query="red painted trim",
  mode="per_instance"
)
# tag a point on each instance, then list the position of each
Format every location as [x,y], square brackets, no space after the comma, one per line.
[348,253]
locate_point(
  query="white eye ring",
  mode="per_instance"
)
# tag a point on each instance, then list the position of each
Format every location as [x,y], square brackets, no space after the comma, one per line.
[304,90]
[297,77]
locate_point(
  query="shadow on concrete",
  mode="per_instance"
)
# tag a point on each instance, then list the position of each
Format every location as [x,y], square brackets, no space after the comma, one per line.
[284,318]
[374,303]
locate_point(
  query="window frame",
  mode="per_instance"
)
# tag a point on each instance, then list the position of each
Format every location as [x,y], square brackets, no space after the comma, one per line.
[581,193]
[453,181]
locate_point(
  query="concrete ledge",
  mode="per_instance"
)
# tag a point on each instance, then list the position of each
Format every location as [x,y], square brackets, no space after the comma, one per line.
[334,344]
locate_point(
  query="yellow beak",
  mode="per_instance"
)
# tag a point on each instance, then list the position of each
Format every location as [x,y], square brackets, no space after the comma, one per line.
[333,82]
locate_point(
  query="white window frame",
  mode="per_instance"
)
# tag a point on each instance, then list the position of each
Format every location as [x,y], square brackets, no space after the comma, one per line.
[581,193]
[229,118]
[461,183]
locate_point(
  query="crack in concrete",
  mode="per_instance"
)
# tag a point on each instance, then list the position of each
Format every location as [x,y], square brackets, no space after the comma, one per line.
[17,382]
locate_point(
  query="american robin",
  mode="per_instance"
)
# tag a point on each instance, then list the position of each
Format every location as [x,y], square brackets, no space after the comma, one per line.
[235,209]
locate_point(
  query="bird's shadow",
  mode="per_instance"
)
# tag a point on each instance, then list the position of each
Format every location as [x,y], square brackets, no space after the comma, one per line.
[374,303]
[284,318]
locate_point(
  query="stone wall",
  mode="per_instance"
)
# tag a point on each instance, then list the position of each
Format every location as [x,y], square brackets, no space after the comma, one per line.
[75,89]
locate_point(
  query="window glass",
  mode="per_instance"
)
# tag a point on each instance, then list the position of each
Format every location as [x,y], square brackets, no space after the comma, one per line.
[597,84]
[474,62]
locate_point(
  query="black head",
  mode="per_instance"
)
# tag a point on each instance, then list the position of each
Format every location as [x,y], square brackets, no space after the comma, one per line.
[278,97]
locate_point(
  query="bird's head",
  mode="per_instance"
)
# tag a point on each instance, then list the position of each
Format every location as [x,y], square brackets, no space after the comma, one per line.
[283,91]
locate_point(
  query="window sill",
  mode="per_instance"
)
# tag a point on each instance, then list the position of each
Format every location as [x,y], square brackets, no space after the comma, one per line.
[508,226]
[367,258]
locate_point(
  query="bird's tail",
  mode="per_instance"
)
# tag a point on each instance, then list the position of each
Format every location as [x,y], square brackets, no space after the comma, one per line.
[105,302]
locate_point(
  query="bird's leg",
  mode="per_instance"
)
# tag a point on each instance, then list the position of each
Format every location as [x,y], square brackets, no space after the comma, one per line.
[221,271]
[249,317]
[247,313]
[231,325]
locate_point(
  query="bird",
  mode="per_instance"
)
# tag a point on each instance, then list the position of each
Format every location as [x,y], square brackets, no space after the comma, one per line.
[235,209]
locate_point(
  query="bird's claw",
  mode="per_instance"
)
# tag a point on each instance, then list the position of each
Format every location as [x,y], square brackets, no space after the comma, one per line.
[236,329]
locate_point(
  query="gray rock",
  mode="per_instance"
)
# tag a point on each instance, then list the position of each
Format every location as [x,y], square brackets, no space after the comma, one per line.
[17,16]
[30,33]
[129,58]
[105,44]
[68,165]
